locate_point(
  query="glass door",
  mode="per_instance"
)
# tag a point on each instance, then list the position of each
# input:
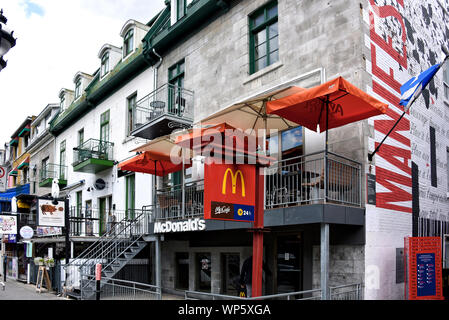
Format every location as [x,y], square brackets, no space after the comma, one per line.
[102,209]
[289,264]
[230,273]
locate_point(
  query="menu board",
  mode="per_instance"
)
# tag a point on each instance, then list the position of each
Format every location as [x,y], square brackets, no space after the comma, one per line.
[371,188]
[425,263]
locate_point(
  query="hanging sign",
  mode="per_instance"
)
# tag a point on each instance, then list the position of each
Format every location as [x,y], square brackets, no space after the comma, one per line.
[51,215]
[8,224]
[229,192]
[26,232]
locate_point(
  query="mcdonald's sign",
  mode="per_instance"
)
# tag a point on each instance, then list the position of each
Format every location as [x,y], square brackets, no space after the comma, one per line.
[229,192]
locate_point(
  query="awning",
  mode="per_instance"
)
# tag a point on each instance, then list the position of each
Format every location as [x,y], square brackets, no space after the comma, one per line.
[9,194]
[24,164]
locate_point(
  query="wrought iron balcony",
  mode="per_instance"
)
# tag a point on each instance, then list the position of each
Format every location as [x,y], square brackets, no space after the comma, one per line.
[162,111]
[93,156]
[53,171]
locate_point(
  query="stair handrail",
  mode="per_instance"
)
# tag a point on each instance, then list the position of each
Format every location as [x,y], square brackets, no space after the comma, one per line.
[109,236]
[110,249]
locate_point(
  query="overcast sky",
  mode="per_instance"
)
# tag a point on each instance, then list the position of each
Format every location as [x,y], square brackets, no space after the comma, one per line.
[55,40]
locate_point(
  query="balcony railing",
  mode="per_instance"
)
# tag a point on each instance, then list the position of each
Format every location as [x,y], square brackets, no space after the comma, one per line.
[93,149]
[168,100]
[170,201]
[53,171]
[290,182]
[302,180]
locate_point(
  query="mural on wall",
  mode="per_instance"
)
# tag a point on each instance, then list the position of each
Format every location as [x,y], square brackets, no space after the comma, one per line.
[405,38]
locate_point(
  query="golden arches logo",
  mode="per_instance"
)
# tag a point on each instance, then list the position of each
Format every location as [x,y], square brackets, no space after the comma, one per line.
[234,181]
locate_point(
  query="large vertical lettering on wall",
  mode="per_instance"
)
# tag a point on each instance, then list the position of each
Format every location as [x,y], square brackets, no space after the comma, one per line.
[393,171]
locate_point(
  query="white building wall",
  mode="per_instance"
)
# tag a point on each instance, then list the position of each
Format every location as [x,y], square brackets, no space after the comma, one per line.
[117,104]
[401,41]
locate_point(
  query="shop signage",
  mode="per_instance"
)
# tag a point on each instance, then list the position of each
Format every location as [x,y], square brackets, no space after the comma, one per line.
[51,215]
[9,238]
[425,273]
[26,232]
[180,226]
[230,192]
[371,188]
[8,224]
[48,231]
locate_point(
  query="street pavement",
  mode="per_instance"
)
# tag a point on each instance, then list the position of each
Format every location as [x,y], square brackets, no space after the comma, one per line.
[15,290]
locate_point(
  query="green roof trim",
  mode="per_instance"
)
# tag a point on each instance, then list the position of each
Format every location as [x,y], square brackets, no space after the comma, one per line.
[23,165]
[13,142]
[99,90]
[25,130]
[162,35]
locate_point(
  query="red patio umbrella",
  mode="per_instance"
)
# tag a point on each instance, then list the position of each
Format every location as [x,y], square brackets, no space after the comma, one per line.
[330,105]
[153,163]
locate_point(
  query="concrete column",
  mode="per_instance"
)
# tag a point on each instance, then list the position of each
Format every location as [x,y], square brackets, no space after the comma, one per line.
[324,260]
[158,262]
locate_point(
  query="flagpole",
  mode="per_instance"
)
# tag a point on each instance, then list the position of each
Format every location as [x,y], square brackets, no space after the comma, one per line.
[371,155]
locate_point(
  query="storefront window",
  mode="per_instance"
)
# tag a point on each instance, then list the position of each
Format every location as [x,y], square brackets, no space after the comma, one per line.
[203,271]
[182,270]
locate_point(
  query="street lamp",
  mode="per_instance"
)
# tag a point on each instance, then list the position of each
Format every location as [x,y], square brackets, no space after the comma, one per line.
[7,40]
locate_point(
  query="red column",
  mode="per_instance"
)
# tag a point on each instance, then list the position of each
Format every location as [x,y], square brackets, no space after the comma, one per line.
[258,236]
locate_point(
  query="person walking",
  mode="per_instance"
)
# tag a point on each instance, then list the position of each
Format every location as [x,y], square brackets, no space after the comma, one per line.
[246,273]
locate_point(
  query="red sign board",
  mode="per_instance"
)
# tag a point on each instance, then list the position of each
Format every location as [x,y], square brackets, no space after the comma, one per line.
[423,267]
[229,191]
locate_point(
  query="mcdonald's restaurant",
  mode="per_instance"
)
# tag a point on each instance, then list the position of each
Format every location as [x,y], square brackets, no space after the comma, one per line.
[204,242]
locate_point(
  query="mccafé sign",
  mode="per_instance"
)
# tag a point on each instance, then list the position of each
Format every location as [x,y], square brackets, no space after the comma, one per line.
[230,192]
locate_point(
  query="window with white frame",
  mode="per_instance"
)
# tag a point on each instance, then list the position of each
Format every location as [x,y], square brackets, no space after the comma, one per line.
[128,45]
[78,88]
[62,101]
[105,64]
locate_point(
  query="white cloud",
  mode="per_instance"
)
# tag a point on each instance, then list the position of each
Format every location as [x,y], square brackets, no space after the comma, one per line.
[53,46]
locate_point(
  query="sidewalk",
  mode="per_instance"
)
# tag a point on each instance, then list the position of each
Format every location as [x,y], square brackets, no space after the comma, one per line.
[15,290]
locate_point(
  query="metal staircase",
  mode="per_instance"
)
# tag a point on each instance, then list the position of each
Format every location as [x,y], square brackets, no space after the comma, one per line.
[113,251]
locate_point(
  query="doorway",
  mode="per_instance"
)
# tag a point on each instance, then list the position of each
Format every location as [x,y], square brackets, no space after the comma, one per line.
[230,273]
[289,263]
[182,270]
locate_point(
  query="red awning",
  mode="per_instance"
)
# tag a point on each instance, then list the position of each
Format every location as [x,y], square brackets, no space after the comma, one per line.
[153,163]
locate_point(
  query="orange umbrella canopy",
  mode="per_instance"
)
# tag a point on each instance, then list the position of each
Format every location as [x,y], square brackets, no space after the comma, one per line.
[347,104]
[152,163]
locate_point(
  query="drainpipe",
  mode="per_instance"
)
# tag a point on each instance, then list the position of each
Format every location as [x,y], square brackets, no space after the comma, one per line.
[156,68]
[158,258]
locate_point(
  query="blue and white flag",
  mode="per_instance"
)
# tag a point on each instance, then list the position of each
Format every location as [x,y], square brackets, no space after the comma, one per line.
[414,87]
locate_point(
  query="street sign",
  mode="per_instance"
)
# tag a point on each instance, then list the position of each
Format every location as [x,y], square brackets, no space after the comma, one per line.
[3,179]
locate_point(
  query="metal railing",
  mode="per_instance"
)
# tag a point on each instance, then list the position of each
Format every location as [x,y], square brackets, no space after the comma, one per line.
[115,289]
[302,180]
[53,171]
[170,202]
[347,292]
[299,295]
[344,292]
[106,250]
[87,222]
[166,100]
[93,149]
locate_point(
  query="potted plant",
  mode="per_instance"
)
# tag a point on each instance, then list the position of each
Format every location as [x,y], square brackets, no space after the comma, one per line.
[39,261]
[49,262]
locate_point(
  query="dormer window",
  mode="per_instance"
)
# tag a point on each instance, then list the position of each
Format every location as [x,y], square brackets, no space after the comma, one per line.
[128,46]
[62,102]
[78,88]
[105,64]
